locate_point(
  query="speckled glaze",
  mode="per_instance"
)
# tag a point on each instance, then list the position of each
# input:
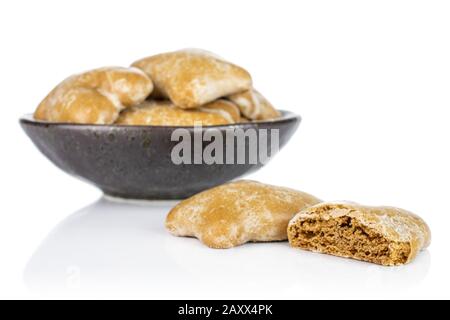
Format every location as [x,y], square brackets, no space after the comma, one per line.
[134,162]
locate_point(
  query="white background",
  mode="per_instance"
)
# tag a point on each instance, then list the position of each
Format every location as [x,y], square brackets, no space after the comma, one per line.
[370,78]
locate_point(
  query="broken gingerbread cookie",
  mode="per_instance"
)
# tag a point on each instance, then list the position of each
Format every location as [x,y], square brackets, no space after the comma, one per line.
[383,235]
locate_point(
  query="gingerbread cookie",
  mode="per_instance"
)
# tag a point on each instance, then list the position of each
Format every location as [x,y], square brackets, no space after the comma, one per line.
[95,97]
[225,108]
[238,212]
[254,105]
[193,78]
[383,235]
[165,113]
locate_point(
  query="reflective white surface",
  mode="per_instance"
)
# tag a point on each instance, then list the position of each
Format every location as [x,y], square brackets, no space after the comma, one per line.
[369,78]
[113,248]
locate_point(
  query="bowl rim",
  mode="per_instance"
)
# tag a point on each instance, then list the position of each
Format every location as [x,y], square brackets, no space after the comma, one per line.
[28,118]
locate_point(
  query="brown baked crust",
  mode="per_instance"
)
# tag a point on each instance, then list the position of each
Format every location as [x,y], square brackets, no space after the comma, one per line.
[193,78]
[382,235]
[96,96]
[165,113]
[238,212]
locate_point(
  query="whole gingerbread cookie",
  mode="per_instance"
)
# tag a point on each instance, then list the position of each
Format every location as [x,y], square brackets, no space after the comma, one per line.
[165,113]
[238,212]
[96,96]
[193,78]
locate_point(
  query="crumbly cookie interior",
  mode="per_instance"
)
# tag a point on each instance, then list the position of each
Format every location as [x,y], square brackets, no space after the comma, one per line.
[347,237]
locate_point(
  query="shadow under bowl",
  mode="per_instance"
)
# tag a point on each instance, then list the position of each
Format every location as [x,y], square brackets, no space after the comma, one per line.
[136,162]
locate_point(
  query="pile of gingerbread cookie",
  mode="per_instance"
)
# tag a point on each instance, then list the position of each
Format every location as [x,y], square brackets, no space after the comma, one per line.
[181,88]
[248,211]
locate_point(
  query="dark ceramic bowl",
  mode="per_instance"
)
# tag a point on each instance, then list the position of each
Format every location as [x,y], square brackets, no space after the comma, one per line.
[134,162]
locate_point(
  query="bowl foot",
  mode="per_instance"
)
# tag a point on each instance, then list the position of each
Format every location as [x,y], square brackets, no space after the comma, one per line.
[162,202]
